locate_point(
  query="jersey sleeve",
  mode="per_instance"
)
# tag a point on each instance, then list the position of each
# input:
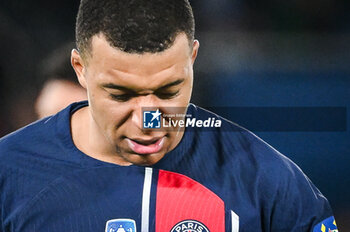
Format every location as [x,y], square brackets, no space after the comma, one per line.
[298,205]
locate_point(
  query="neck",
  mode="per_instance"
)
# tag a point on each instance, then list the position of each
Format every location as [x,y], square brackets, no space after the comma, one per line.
[88,139]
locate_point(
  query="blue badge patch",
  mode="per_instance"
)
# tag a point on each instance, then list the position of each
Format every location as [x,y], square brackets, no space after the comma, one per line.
[151,119]
[121,225]
[327,225]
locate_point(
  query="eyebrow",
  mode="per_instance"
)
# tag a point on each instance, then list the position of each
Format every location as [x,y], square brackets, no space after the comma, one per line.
[126,89]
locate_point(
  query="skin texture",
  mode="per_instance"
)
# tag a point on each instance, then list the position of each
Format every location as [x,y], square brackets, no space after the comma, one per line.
[104,129]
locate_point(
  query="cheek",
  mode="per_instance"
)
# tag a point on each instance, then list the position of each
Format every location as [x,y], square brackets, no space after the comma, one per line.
[112,117]
[186,93]
[103,110]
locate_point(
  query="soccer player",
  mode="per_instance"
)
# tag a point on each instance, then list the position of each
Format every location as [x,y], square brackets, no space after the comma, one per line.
[96,166]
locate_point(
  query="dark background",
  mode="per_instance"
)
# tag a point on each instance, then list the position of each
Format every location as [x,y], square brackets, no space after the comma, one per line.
[263,54]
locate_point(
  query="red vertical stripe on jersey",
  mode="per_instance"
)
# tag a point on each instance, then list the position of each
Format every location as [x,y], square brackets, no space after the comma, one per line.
[181,198]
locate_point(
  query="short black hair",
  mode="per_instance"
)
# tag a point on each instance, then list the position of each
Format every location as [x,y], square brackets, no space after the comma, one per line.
[134,26]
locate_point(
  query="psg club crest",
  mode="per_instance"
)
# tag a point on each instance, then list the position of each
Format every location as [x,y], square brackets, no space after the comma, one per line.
[121,225]
[189,226]
[151,119]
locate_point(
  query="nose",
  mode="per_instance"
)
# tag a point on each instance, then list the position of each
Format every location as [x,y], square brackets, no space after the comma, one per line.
[136,117]
[142,103]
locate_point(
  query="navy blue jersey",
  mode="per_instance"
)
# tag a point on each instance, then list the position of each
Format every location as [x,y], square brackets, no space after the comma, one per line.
[222,179]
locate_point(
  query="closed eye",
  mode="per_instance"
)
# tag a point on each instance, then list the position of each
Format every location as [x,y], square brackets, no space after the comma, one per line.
[122,97]
[166,95]
[128,96]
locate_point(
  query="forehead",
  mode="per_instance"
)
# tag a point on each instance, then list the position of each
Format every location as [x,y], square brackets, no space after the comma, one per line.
[109,60]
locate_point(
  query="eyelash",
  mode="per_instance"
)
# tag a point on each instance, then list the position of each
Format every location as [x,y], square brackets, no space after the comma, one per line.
[122,97]
[126,97]
[167,95]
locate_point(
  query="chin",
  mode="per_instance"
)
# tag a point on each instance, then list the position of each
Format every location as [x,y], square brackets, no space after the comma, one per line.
[145,159]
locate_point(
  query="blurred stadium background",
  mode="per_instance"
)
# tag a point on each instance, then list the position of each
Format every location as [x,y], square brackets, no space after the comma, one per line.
[254,53]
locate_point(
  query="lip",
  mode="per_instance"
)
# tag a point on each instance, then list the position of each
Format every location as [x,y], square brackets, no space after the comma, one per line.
[143,147]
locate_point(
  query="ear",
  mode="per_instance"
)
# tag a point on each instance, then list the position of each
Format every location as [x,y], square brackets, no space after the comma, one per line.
[79,67]
[195,50]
